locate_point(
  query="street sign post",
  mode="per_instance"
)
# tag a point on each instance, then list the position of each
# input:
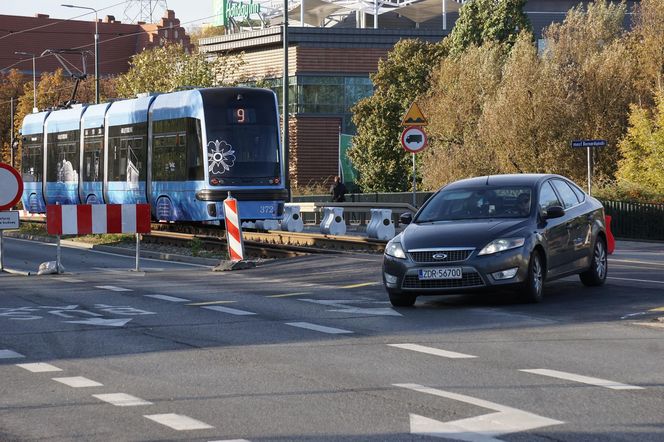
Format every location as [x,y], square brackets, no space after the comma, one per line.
[413,138]
[11,189]
[589,144]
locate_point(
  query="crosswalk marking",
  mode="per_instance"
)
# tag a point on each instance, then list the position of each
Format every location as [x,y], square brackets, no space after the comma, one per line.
[582,379]
[113,288]
[78,382]
[178,422]
[320,328]
[10,354]
[39,367]
[230,311]
[432,351]
[121,399]
[168,298]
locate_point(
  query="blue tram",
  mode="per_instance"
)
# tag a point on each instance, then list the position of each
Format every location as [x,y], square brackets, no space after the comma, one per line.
[182,152]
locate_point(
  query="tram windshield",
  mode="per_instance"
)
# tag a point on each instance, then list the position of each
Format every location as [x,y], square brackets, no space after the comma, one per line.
[243,137]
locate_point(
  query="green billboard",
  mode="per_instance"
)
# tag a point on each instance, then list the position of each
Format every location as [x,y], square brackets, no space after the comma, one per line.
[225,9]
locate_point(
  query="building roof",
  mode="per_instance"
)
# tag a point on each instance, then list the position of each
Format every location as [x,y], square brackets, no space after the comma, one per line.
[118,42]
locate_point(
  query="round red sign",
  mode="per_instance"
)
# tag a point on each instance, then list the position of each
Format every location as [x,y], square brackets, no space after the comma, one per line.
[11,186]
[413,139]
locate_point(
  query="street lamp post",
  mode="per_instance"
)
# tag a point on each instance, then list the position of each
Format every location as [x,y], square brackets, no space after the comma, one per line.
[96,47]
[34,80]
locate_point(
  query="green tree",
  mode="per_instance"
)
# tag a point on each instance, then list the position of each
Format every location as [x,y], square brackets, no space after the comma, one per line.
[647,44]
[594,72]
[483,21]
[384,166]
[643,147]
[11,86]
[460,88]
[167,68]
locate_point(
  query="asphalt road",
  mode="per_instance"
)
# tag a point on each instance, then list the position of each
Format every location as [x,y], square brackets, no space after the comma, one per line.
[310,349]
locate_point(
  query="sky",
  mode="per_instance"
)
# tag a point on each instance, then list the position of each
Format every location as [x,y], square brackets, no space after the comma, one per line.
[191,13]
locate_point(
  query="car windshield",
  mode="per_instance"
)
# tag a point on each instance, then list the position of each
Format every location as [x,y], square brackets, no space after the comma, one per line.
[473,203]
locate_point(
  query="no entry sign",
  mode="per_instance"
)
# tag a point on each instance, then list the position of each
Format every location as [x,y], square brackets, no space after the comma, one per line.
[11,186]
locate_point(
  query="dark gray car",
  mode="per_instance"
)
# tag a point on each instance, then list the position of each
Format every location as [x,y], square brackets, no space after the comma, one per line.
[500,231]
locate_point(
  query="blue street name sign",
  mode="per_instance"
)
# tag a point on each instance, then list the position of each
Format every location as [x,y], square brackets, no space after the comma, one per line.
[589,143]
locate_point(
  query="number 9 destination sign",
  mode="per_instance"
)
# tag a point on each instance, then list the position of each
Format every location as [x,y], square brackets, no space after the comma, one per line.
[413,139]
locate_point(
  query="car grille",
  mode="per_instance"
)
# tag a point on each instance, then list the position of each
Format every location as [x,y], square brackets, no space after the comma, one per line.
[470,279]
[452,255]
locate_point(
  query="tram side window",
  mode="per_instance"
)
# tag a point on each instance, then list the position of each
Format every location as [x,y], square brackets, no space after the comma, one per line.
[63,160]
[176,151]
[126,156]
[32,163]
[92,160]
[194,150]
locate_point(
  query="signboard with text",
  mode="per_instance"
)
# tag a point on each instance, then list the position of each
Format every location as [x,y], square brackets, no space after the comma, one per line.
[588,143]
[9,220]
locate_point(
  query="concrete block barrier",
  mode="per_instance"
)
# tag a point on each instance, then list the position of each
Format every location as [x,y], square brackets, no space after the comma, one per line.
[333,221]
[292,221]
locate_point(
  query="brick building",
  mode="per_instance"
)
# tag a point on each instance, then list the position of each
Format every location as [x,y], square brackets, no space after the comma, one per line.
[118,42]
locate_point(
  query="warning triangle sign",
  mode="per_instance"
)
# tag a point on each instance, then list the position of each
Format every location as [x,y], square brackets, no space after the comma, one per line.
[414,116]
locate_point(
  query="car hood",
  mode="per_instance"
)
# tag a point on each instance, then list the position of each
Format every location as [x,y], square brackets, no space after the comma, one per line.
[461,233]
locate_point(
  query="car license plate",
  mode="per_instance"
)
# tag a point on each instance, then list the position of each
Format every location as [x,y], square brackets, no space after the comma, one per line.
[441,273]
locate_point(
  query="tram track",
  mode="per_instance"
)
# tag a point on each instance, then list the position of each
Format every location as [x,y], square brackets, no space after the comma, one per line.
[300,242]
[270,244]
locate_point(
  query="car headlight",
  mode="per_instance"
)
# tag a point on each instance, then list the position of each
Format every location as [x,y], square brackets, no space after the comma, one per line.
[500,245]
[393,248]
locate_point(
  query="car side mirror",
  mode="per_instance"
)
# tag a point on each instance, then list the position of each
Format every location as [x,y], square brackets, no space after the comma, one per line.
[406,218]
[554,212]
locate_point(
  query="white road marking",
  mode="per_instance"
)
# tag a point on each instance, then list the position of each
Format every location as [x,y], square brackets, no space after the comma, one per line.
[39,367]
[117,322]
[342,306]
[9,354]
[178,422]
[168,298]
[636,280]
[432,351]
[121,399]
[78,382]
[231,440]
[483,428]
[320,328]
[67,279]
[582,379]
[113,288]
[230,311]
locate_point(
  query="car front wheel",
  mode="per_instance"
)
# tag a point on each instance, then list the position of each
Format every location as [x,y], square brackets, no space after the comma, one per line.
[596,274]
[400,299]
[533,288]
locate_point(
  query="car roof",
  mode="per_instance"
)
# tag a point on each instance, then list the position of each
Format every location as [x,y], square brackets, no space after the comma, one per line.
[517,179]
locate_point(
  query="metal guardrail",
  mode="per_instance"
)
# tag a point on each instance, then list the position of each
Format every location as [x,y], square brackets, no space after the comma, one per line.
[632,220]
[359,212]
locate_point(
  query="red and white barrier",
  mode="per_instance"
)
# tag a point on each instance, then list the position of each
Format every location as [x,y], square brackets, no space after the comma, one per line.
[233,229]
[97,218]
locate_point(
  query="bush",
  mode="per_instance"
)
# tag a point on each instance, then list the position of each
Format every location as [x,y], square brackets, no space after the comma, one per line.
[628,191]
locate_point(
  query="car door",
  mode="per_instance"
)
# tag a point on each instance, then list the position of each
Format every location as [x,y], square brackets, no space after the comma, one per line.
[554,231]
[578,225]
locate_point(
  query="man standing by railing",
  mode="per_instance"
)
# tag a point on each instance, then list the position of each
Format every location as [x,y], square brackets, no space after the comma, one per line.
[338,190]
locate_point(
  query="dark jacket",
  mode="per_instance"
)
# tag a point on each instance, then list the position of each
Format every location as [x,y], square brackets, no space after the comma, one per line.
[338,190]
